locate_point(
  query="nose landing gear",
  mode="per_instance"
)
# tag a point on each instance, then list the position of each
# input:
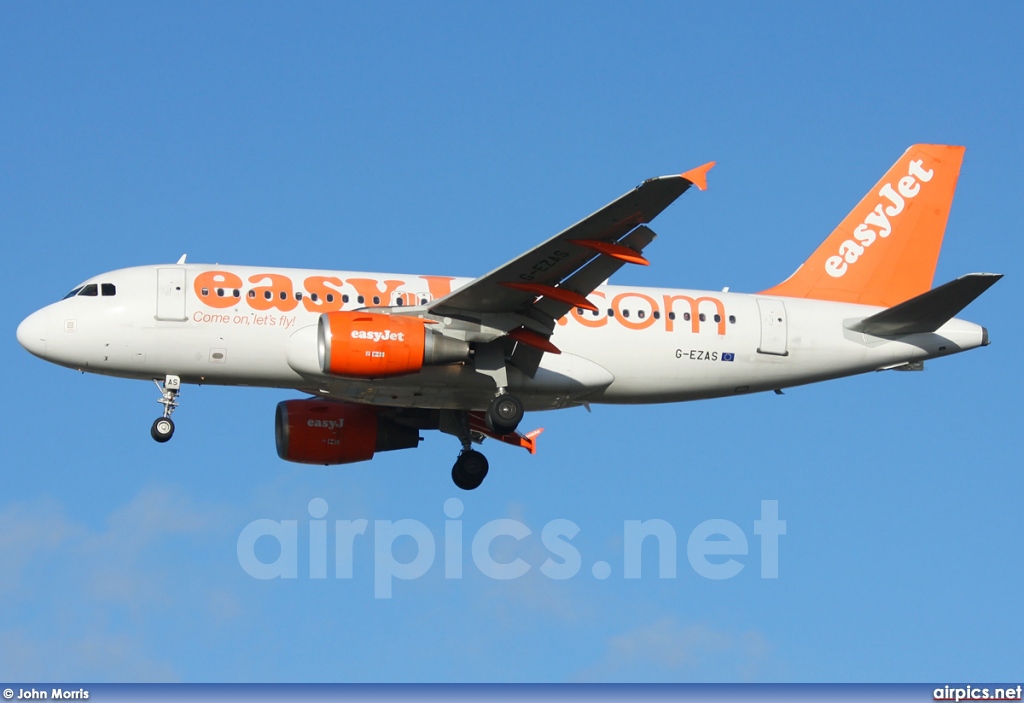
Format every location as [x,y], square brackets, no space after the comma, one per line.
[163,427]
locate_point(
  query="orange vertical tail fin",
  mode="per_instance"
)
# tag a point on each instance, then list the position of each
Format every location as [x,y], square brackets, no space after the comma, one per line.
[885,251]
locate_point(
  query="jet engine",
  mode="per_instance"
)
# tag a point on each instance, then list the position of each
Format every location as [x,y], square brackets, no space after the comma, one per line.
[376,345]
[315,431]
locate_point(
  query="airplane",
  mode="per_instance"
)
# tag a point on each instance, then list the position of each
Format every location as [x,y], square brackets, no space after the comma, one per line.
[381,357]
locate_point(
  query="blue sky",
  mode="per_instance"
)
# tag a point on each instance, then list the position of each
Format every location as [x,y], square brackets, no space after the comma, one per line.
[409,137]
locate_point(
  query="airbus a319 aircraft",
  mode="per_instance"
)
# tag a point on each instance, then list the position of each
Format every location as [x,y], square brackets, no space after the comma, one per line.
[385,356]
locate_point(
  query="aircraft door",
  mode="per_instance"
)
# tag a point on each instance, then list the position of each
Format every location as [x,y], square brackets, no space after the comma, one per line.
[170,294]
[774,332]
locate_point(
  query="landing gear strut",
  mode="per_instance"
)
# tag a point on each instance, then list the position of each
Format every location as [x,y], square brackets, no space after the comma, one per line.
[502,418]
[471,466]
[163,427]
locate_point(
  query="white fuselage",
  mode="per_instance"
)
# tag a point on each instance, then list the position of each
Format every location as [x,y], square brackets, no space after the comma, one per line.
[644,345]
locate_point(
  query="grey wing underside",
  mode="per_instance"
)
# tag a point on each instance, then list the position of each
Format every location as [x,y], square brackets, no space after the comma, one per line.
[560,262]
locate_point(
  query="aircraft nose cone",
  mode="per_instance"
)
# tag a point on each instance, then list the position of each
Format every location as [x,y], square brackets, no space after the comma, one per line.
[32,333]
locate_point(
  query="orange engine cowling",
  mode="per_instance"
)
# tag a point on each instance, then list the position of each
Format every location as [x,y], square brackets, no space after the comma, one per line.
[315,431]
[376,345]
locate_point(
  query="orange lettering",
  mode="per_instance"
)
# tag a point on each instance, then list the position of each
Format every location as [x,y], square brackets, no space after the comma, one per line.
[217,288]
[438,286]
[600,321]
[625,321]
[278,294]
[369,289]
[318,286]
[694,311]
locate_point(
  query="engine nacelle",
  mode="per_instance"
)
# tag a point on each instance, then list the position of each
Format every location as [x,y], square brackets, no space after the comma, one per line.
[376,345]
[323,432]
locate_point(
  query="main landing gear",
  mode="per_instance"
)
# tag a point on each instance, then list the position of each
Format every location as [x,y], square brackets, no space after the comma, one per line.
[502,417]
[504,414]
[163,427]
[470,469]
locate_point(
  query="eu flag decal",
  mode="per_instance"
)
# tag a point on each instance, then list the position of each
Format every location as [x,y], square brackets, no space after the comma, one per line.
[728,356]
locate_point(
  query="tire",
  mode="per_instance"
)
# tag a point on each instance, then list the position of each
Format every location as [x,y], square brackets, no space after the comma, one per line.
[504,414]
[162,429]
[470,470]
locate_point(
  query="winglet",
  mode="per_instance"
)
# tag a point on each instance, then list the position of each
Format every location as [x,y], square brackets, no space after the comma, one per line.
[699,176]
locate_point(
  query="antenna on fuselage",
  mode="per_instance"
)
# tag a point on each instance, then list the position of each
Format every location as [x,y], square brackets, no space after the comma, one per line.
[182,259]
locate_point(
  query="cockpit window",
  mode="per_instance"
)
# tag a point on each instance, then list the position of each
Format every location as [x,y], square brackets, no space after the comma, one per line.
[91,289]
[108,289]
[73,293]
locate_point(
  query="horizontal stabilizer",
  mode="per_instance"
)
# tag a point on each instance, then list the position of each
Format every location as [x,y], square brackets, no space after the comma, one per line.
[928,311]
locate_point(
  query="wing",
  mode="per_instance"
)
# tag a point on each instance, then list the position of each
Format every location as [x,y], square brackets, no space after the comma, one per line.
[540,286]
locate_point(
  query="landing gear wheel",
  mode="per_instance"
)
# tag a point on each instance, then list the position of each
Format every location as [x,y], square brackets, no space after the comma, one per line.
[504,414]
[470,470]
[170,388]
[162,429]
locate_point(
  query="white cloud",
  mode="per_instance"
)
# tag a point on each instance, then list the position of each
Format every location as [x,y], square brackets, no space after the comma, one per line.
[81,603]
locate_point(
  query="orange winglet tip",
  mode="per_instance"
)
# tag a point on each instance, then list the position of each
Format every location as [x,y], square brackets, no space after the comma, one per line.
[616,251]
[529,440]
[563,295]
[699,176]
[532,339]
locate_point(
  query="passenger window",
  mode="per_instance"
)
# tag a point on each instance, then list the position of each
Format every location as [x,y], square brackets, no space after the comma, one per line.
[640,314]
[107,289]
[611,312]
[376,300]
[72,294]
[298,295]
[423,301]
[360,300]
[91,289]
[702,317]
[252,294]
[657,315]
[732,319]
[344,298]
[686,316]
[236,293]
[313,297]
[671,316]
[718,318]
[330,297]
[625,313]
[220,292]
[398,302]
